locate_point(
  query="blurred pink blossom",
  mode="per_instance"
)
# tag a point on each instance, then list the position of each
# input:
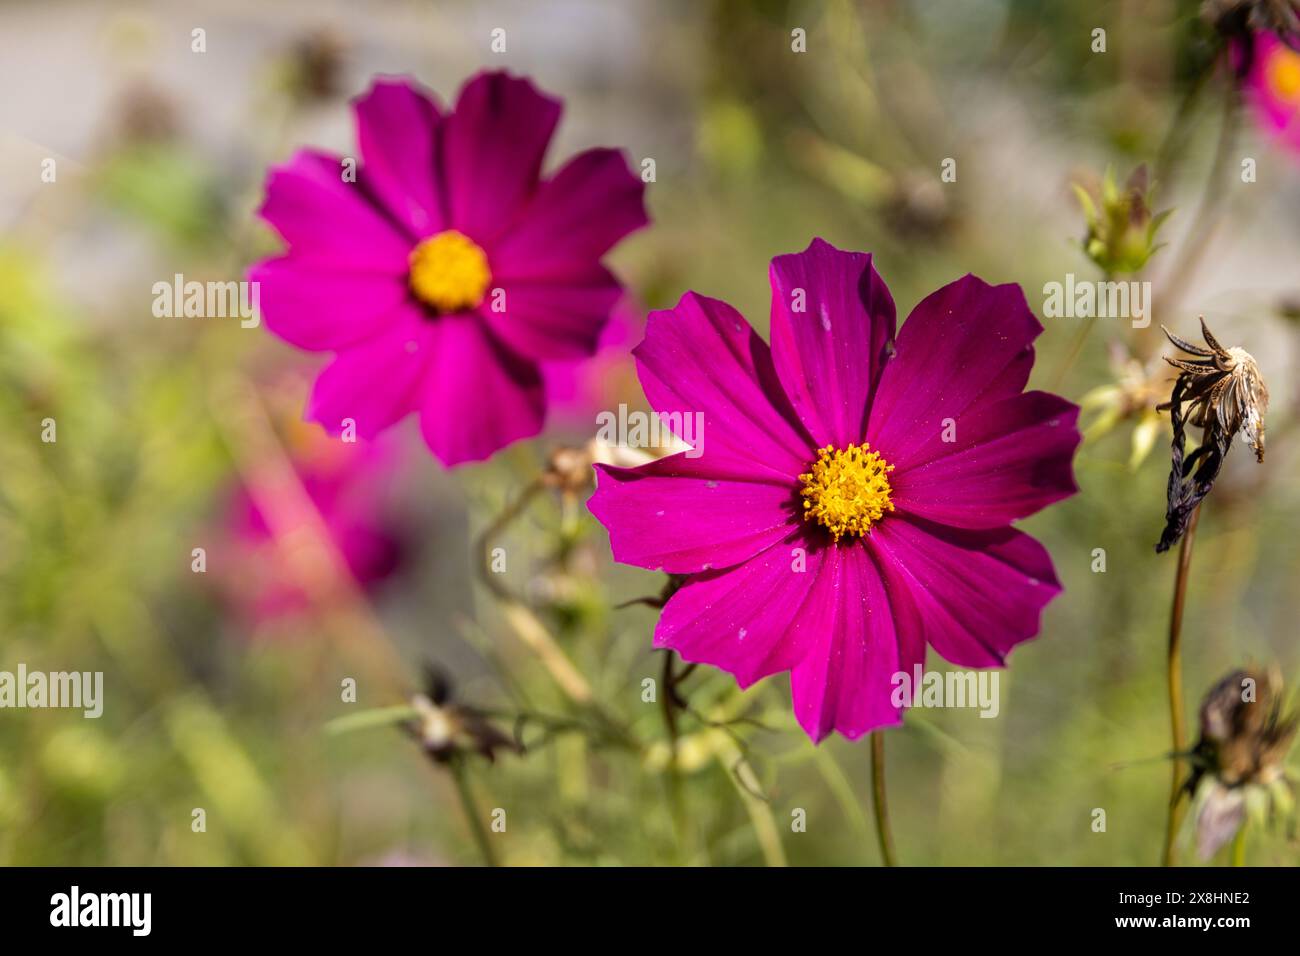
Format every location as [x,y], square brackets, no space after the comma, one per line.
[345,482]
[1273,90]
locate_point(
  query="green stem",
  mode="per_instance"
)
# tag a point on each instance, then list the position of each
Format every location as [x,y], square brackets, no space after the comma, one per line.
[1174,676]
[883,833]
[668,699]
[1076,349]
[481,837]
[1239,847]
[1202,230]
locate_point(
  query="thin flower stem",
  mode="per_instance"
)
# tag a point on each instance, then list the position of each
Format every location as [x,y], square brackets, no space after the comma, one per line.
[1173,148]
[1239,847]
[1076,346]
[522,620]
[476,826]
[1177,723]
[1076,349]
[745,781]
[676,803]
[883,833]
[1202,230]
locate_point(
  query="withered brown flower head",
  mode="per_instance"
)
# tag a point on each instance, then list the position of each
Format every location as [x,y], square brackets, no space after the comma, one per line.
[446,729]
[1281,17]
[1221,392]
[1246,733]
[317,62]
[1239,20]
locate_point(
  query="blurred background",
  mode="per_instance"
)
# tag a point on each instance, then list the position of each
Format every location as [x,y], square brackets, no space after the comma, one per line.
[225,689]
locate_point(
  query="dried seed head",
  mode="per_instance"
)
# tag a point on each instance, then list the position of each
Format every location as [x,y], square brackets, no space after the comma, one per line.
[1239,759]
[1225,390]
[1238,22]
[1245,734]
[1220,391]
[1235,17]
[446,729]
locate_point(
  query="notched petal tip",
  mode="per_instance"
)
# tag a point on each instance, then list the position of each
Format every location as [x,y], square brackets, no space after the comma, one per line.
[387,83]
[506,82]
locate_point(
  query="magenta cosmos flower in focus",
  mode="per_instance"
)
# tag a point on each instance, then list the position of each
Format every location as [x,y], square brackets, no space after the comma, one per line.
[445,270]
[1273,90]
[854,495]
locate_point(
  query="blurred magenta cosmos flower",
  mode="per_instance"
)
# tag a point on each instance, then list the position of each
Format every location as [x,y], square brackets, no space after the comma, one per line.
[445,269]
[1273,90]
[346,484]
[854,496]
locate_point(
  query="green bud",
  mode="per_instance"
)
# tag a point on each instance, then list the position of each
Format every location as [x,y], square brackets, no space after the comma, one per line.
[1121,228]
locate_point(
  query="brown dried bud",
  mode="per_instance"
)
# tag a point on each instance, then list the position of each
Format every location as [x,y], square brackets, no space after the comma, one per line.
[1246,734]
[446,729]
[1221,392]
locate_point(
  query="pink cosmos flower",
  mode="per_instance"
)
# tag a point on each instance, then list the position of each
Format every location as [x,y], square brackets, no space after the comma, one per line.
[854,497]
[345,483]
[445,269]
[1273,89]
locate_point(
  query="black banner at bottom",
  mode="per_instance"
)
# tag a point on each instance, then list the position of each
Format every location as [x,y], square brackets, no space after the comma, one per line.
[335,906]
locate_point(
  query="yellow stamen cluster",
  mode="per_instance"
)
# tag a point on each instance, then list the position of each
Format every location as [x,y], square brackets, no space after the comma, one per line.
[1283,74]
[847,489]
[449,272]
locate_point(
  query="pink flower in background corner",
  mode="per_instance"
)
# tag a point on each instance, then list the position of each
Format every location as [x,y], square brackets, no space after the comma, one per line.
[854,498]
[441,268]
[1273,90]
[345,483]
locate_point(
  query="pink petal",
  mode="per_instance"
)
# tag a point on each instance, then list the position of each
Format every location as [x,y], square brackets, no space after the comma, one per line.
[830,352]
[974,595]
[703,357]
[397,130]
[493,144]
[845,681]
[561,319]
[756,619]
[969,342]
[332,221]
[675,515]
[573,220]
[1009,459]
[478,396]
[376,383]
[320,307]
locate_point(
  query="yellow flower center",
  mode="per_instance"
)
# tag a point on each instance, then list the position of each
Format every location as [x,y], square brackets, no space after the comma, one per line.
[449,272]
[1283,73]
[847,489]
